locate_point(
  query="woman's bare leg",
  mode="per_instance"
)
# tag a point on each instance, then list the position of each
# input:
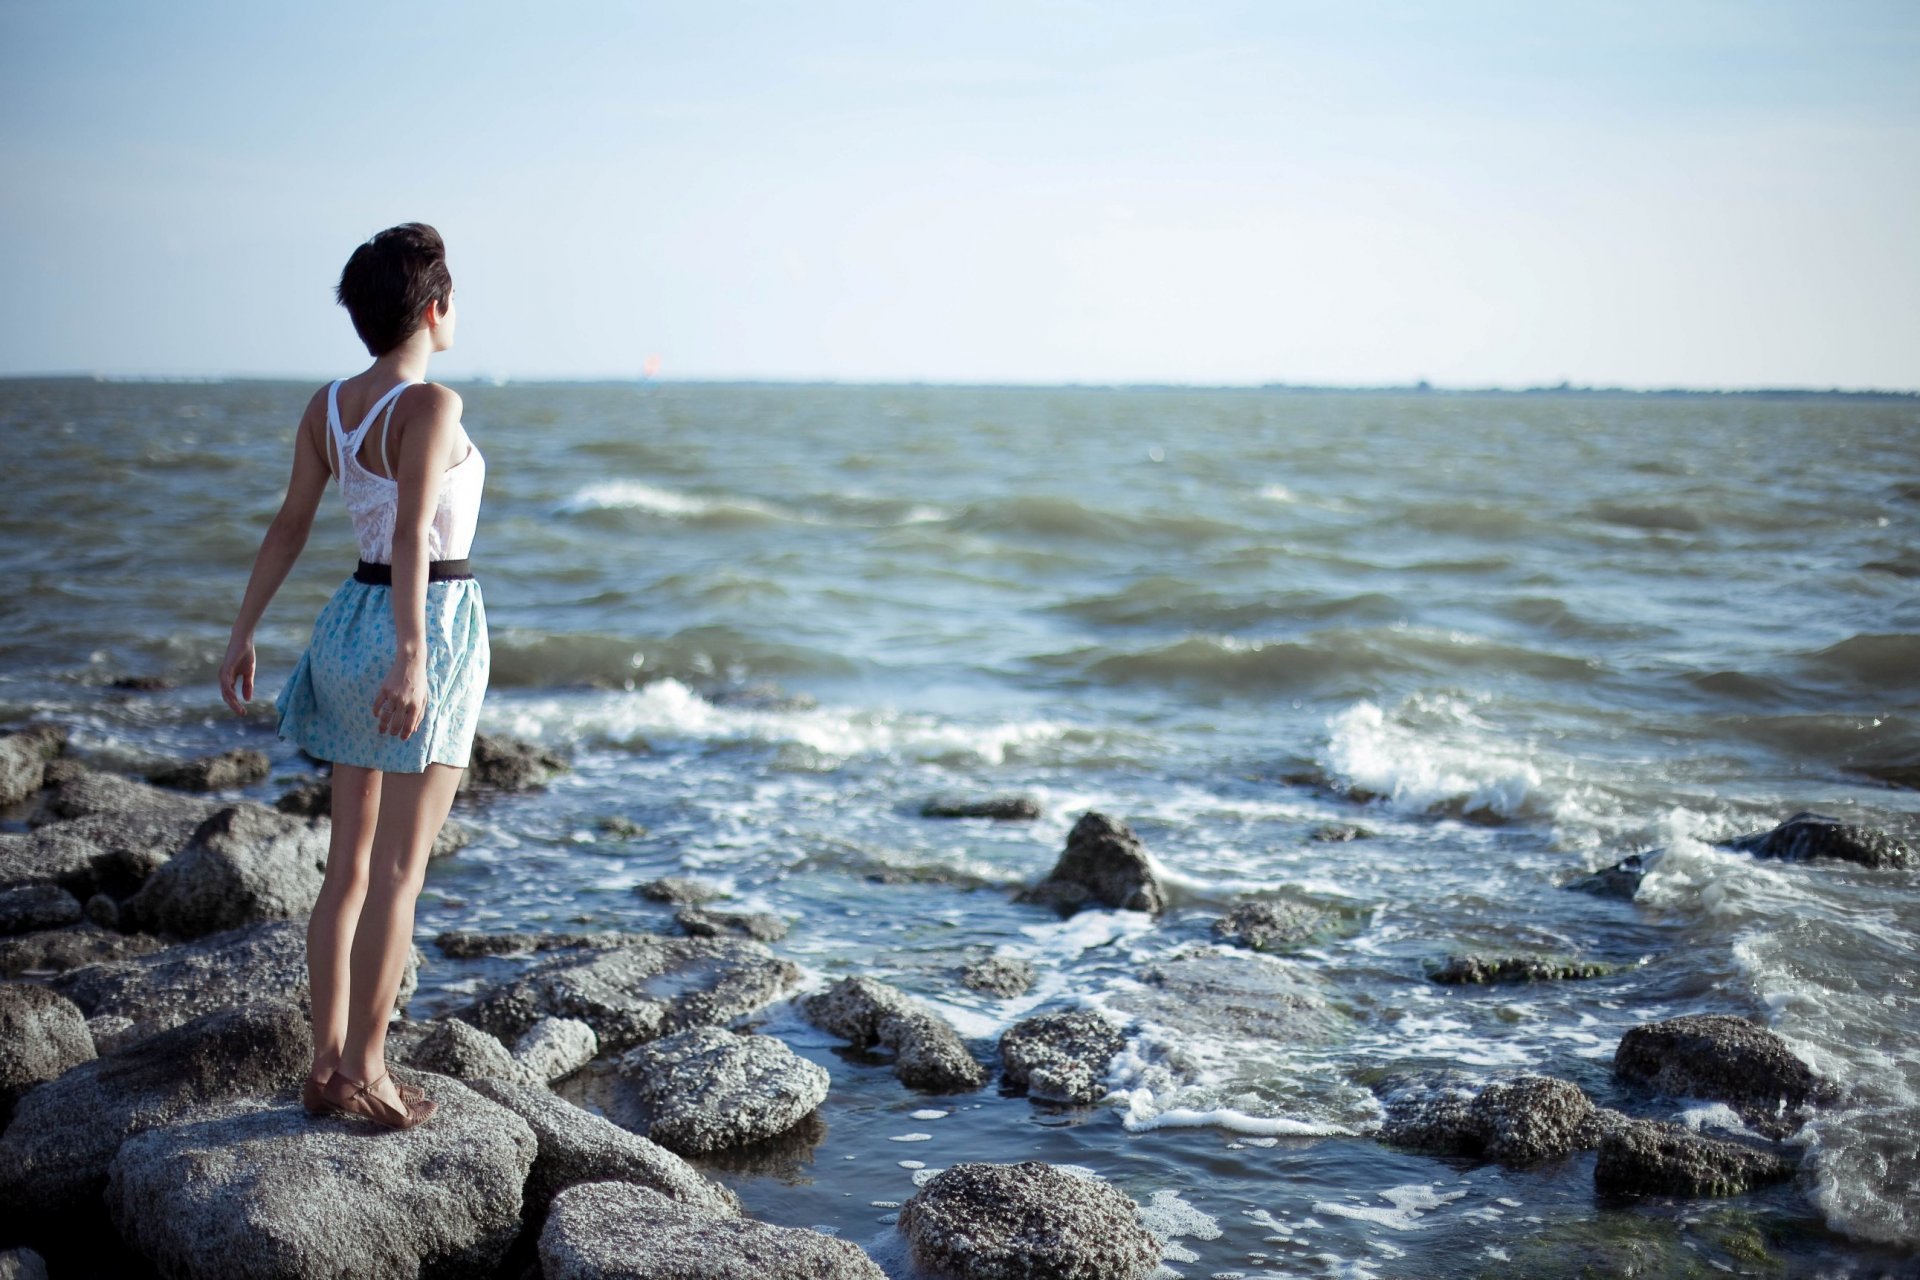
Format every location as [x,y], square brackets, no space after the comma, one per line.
[330,929]
[413,806]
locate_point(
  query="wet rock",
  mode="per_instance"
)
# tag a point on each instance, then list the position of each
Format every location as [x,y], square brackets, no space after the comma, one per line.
[1339,833]
[678,890]
[1105,864]
[461,1050]
[308,800]
[1229,994]
[619,826]
[140,684]
[255,1187]
[577,1146]
[706,1089]
[450,839]
[23,760]
[928,1054]
[1648,1158]
[42,1033]
[50,951]
[134,828]
[1003,976]
[1811,835]
[174,984]
[1002,1221]
[1266,925]
[54,1156]
[469,944]
[22,1264]
[239,767]
[1517,1122]
[505,764]
[26,907]
[1430,1111]
[246,863]
[1721,1058]
[619,1231]
[640,991]
[1061,1057]
[761,926]
[1621,880]
[555,1047]
[1000,808]
[1481,970]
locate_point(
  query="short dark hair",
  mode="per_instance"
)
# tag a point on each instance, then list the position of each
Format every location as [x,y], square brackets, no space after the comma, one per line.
[390,279]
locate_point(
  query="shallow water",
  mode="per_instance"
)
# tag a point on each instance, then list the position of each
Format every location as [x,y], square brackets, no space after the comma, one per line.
[768,622]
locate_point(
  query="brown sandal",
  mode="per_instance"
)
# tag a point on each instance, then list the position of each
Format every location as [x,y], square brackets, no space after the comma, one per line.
[313,1096]
[364,1102]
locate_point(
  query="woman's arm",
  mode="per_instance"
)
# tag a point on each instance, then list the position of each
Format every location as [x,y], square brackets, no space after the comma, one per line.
[432,427]
[281,546]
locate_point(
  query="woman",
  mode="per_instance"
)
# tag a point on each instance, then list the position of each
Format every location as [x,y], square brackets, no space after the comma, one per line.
[390,687]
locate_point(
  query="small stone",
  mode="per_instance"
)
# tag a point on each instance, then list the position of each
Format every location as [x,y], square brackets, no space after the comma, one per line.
[761,926]
[1004,976]
[555,1047]
[239,767]
[308,800]
[999,808]
[707,1089]
[1339,833]
[1104,863]
[1480,970]
[505,764]
[1266,925]
[678,890]
[621,827]
[928,1054]
[1061,1057]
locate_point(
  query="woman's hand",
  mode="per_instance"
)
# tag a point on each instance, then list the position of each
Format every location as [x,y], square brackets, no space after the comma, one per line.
[402,699]
[236,673]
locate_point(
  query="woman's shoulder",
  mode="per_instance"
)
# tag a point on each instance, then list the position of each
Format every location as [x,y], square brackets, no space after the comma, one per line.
[434,398]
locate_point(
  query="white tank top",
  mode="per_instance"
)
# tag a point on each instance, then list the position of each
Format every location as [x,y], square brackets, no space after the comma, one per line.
[373,501]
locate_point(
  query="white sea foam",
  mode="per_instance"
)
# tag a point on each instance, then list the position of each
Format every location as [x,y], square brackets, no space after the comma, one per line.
[1407,1205]
[1432,755]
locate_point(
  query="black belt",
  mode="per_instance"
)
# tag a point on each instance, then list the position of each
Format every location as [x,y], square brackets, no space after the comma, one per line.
[381,575]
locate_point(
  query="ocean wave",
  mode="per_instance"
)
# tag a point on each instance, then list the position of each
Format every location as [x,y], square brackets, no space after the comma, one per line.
[635,495]
[1162,600]
[1882,662]
[1432,756]
[1054,516]
[1663,517]
[698,655]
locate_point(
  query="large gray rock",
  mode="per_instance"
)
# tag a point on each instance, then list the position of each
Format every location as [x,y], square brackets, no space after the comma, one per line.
[50,855]
[1227,994]
[1721,1058]
[1061,1057]
[256,1188]
[54,1156]
[506,764]
[1648,1158]
[1028,1221]
[706,1089]
[42,1033]
[239,767]
[461,1050]
[577,1146]
[26,907]
[555,1047]
[130,828]
[927,1053]
[1104,864]
[1265,925]
[619,1231]
[1517,1122]
[50,951]
[168,987]
[244,864]
[651,987]
[23,760]
[1812,835]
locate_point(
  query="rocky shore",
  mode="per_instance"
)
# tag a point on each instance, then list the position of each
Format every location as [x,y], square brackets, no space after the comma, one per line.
[154,1031]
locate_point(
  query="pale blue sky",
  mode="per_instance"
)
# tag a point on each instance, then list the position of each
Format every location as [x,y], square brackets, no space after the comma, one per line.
[1636,194]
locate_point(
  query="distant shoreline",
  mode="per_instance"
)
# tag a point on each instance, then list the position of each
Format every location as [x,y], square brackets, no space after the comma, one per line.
[1270,388]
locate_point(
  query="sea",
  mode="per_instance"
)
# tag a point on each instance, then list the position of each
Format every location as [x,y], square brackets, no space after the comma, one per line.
[1513,637]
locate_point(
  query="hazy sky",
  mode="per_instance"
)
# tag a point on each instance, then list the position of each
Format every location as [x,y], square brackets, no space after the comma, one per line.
[1637,194]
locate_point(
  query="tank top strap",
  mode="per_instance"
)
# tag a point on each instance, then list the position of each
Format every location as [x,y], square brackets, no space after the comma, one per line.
[359,433]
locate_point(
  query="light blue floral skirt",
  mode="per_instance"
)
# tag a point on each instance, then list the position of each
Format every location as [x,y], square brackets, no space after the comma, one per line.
[327,705]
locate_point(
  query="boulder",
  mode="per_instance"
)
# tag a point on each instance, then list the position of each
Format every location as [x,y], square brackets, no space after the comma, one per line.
[49,951]
[577,1146]
[678,890]
[461,1050]
[170,986]
[555,1047]
[1266,925]
[1481,970]
[42,1033]
[650,987]
[506,764]
[255,1187]
[999,808]
[1061,1057]
[239,767]
[761,926]
[1104,864]
[1621,880]
[1721,1058]
[50,855]
[26,907]
[54,1156]
[1647,1158]
[132,828]
[1812,835]
[619,1231]
[705,1089]
[244,864]
[1006,977]
[928,1054]
[23,760]
[1517,1122]
[1030,1220]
